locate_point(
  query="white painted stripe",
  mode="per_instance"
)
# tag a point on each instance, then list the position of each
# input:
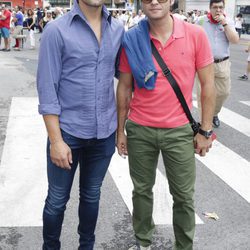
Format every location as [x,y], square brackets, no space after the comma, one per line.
[162,213]
[234,120]
[230,167]
[23,182]
[245,102]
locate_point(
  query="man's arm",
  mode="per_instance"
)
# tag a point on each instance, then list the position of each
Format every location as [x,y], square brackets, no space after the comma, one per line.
[3,17]
[230,31]
[231,34]
[208,94]
[60,152]
[123,95]
[48,79]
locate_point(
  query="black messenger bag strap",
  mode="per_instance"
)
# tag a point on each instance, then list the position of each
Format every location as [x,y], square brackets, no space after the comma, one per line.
[167,73]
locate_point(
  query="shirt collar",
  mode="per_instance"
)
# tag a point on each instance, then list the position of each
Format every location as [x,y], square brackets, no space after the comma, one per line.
[179,30]
[76,11]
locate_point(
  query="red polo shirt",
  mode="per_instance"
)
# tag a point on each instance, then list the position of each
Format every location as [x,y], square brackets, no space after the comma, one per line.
[6,23]
[186,51]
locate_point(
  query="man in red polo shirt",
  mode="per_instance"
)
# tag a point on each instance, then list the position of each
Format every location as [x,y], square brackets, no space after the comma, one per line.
[5,27]
[156,122]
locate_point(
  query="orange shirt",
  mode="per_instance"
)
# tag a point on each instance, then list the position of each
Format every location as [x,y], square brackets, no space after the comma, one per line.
[186,51]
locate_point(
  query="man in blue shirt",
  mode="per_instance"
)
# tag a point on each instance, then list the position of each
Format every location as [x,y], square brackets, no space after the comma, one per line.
[18,20]
[76,98]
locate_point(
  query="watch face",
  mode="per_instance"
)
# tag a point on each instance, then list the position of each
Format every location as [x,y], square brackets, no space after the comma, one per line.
[207,134]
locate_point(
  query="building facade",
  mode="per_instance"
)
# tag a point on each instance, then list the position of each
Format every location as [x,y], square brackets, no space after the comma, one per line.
[26,4]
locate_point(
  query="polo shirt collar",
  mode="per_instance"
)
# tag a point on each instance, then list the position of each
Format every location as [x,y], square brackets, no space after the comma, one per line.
[178,30]
[76,11]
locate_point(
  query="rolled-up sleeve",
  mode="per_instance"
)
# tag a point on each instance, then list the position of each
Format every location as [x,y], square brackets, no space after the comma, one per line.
[49,70]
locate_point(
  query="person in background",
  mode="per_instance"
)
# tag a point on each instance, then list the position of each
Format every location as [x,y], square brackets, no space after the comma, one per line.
[246,75]
[238,23]
[46,19]
[196,15]
[75,83]
[180,15]
[221,32]
[155,120]
[58,12]
[39,16]
[5,17]
[140,16]
[30,26]
[18,21]
[132,21]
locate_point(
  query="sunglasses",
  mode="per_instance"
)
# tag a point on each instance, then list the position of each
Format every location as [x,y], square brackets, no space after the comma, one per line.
[150,1]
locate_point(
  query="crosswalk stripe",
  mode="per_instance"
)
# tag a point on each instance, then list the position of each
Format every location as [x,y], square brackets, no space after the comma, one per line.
[23,166]
[162,212]
[245,102]
[234,120]
[23,182]
[230,167]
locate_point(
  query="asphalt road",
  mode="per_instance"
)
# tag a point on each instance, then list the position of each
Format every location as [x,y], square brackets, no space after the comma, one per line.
[215,192]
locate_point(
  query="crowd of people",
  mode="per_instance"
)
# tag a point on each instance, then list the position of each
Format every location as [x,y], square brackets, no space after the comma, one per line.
[14,20]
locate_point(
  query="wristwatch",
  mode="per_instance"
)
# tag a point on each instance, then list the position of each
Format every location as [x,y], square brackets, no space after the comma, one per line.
[206,133]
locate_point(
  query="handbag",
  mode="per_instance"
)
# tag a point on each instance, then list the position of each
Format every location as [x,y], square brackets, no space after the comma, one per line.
[167,73]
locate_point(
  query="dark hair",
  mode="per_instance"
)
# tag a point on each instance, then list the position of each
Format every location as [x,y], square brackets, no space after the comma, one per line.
[239,15]
[216,1]
[30,12]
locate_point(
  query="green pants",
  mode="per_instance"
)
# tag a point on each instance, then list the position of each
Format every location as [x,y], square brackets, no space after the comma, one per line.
[176,146]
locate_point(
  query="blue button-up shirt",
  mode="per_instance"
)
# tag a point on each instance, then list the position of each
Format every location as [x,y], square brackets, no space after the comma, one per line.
[75,78]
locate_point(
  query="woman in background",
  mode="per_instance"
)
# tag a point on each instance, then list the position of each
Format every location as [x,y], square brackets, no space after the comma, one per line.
[238,23]
[47,18]
[31,25]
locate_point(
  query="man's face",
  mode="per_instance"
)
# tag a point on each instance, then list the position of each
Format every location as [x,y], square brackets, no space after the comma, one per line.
[217,9]
[3,7]
[93,3]
[155,10]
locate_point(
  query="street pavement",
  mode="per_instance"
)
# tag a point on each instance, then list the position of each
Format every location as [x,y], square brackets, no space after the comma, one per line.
[222,185]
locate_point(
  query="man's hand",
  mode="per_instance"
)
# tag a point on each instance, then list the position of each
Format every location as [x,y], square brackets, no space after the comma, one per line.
[220,19]
[121,144]
[202,144]
[61,155]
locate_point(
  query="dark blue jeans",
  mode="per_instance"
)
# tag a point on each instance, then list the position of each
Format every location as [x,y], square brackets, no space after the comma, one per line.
[93,157]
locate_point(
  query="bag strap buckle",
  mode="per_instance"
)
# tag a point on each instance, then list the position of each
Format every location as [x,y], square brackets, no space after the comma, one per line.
[166,72]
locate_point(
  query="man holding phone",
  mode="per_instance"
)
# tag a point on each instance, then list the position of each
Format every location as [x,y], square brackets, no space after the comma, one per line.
[221,32]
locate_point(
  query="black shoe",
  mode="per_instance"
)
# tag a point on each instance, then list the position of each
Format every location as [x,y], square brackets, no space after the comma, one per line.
[6,50]
[216,121]
[243,78]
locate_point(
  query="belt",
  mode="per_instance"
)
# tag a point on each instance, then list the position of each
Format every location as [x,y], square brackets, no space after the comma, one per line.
[221,60]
